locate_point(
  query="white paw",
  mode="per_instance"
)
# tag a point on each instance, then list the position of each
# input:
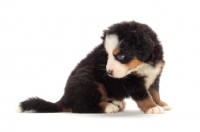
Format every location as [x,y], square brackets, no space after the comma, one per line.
[155,110]
[120,104]
[167,107]
[111,108]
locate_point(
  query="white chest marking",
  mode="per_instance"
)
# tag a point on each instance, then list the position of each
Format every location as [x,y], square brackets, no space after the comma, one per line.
[149,72]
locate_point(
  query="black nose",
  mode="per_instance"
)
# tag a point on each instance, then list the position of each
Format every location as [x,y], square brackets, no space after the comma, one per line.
[110,72]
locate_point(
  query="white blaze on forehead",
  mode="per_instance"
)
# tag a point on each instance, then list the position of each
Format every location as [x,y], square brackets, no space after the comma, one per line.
[111,42]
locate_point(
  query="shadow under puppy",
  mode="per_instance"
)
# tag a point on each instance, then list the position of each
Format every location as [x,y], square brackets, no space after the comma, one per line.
[128,63]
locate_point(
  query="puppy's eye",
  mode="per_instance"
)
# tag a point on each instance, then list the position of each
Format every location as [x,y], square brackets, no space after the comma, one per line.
[120,56]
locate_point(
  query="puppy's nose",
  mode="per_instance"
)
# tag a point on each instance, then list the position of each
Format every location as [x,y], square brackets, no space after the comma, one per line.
[110,72]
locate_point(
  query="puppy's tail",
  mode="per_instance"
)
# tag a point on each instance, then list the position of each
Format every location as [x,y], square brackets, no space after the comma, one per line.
[39,105]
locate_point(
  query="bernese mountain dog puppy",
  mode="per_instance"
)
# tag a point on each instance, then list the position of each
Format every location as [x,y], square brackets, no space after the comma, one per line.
[128,63]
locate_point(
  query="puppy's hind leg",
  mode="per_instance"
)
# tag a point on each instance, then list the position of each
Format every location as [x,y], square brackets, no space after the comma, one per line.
[120,104]
[90,97]
[94,101]
[109,107]
[101,107]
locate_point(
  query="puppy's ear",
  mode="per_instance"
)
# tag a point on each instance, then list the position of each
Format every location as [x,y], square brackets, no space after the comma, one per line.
[104,35]
[143,48]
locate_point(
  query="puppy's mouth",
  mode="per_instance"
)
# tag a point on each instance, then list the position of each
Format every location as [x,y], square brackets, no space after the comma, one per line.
[113,75]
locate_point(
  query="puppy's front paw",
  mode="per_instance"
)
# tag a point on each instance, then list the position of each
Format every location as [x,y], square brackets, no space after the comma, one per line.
[120,104]
[155,110]
[167,107]
[164,105]
[111,108]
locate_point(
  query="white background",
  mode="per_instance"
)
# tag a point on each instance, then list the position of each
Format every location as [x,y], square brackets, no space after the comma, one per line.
[41,41]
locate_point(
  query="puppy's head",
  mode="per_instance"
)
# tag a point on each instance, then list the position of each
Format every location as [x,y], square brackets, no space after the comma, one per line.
[128,45]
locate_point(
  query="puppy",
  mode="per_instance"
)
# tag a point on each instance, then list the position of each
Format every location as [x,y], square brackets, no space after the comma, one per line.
[128,63]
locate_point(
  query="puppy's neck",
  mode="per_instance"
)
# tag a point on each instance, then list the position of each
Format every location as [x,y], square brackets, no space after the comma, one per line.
[149,72]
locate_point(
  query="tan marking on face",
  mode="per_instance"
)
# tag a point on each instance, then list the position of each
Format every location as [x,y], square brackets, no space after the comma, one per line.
[146,104]
[156,97]
[102,91]
[67,110]
[116,51]
[134,63]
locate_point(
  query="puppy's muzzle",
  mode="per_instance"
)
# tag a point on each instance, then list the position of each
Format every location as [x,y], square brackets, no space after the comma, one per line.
[110,72]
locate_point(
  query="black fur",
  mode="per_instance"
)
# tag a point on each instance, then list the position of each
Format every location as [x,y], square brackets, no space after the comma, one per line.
[81,92]
[40,105]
